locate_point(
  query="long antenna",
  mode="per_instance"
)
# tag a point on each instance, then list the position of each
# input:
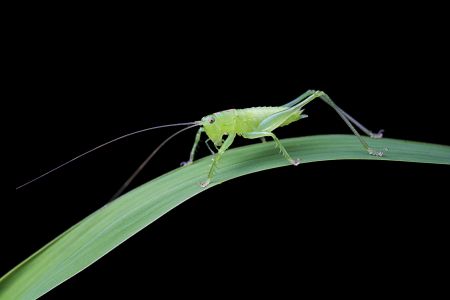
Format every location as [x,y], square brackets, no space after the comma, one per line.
[101,146]
[142,165]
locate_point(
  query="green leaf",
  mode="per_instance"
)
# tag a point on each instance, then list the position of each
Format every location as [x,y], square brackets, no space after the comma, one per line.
[108,227]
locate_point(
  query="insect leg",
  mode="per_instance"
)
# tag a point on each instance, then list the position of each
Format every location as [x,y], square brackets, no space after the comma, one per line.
[194,147]
[209,148]
[255,135]
[349,122]
[300,98]
[275,118]
[377,135]
[229,140]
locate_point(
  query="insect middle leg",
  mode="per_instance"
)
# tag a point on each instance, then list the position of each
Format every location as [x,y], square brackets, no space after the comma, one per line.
[255,135]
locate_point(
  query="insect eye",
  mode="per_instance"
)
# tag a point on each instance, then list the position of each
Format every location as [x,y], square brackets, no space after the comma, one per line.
[211,120]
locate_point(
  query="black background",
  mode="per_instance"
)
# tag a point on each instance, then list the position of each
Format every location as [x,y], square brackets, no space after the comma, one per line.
[327,225]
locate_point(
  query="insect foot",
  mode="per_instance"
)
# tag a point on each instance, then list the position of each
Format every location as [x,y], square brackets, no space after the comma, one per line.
[205,183]
[296,161]
[185,163]
[378,135]
[375,153]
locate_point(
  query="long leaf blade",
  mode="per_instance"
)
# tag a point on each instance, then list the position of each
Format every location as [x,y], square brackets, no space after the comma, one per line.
[108,227]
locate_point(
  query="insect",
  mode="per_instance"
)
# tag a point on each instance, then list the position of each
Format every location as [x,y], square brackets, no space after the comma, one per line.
[250,123]
[260,122]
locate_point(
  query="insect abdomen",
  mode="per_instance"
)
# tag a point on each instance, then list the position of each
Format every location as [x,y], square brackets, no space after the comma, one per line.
[248,119]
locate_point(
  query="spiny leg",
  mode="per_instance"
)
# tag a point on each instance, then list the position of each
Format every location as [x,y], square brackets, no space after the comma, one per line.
[229,140]
[194,147]
[347,120]
[324,97]
[377,135]
[254,135]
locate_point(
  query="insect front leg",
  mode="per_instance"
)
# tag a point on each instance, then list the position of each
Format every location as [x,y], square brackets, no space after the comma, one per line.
[209,148]
[255,135]
[194,147]
[217,158]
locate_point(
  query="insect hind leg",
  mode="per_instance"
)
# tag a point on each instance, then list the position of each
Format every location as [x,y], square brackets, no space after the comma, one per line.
[371,134]
[299,98]
[349,120]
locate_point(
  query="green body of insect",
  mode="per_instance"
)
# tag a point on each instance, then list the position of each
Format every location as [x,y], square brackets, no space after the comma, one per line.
[250,123]
[259,122]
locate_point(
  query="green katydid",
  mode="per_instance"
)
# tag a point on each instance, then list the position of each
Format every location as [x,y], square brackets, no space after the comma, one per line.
[250,123]
[259,122]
